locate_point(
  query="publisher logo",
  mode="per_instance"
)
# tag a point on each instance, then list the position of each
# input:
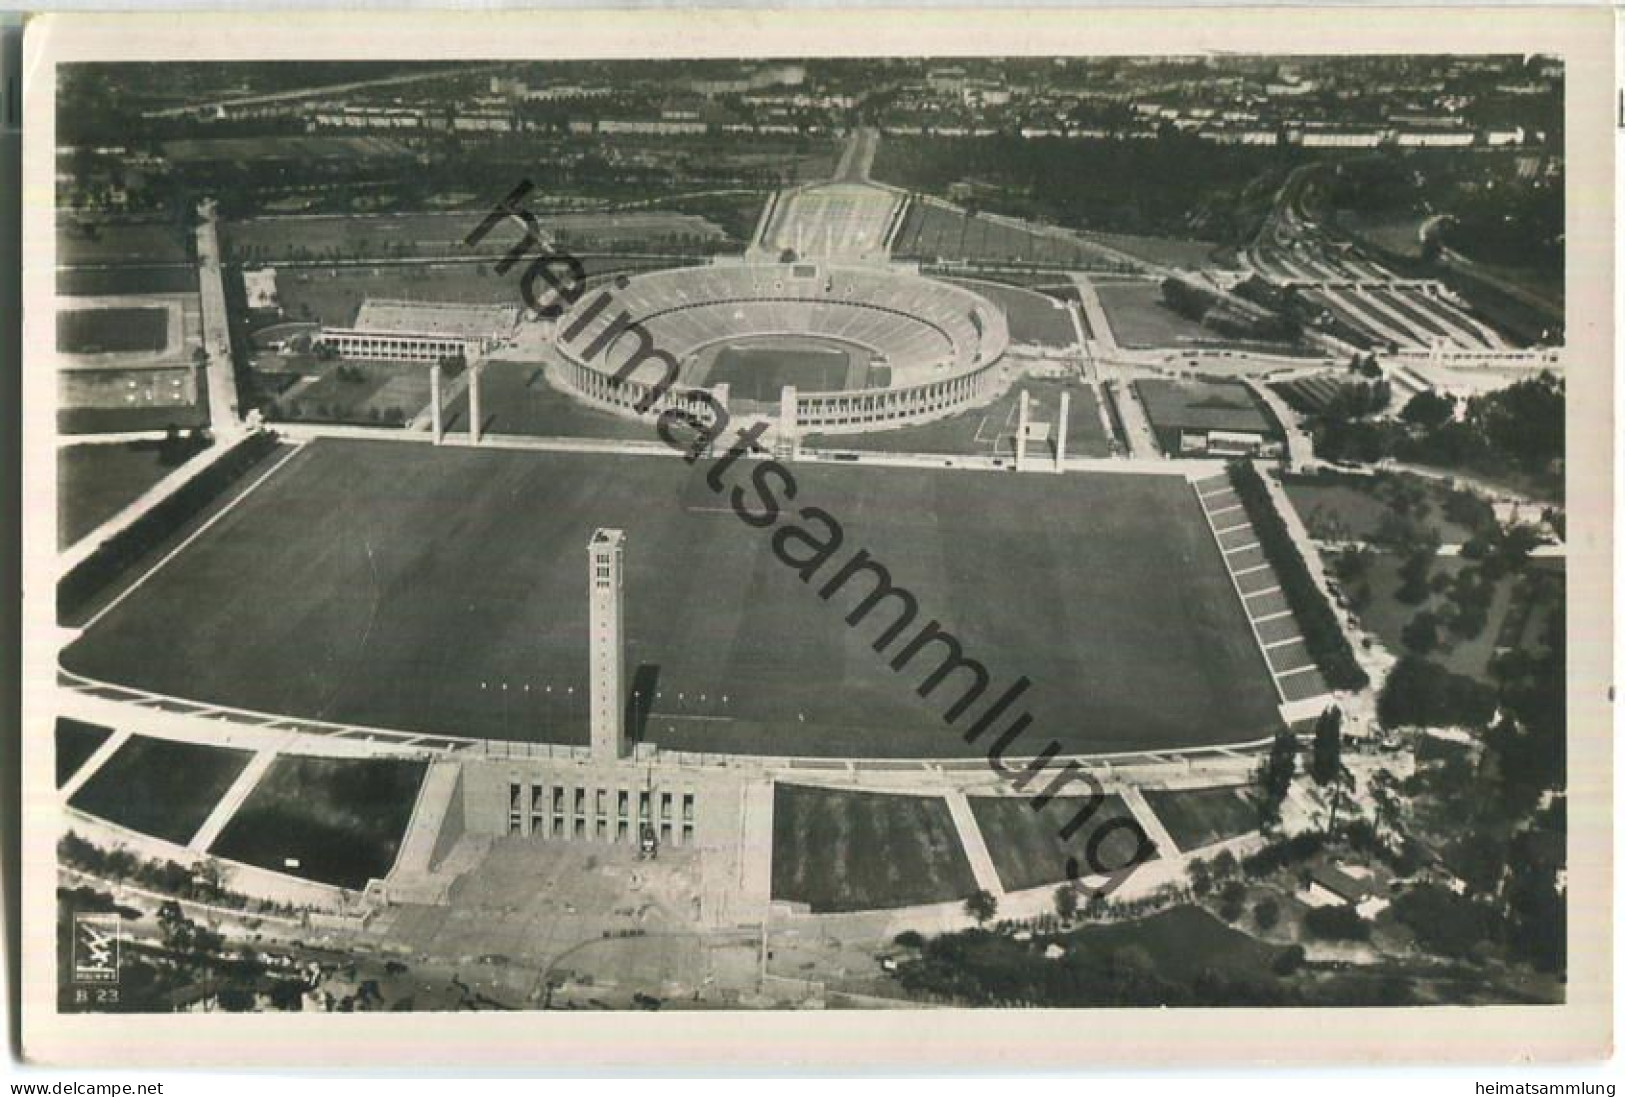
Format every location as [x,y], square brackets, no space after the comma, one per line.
[95,948]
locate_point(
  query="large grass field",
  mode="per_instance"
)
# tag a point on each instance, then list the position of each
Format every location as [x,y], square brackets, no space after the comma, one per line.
[1181,942]
[387,393]
[840,850]
[95,482]
[341,819]
[1139,318]
[95,240]
[1526,600]
[516,398]
[1199,817]
[160,787]
[113,281]
[1338,507]
[107,330]
[1026,845]
[1033,317]
[760,369]
[444,590]
[435,234]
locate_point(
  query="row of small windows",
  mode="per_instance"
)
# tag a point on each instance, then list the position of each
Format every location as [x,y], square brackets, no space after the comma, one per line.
[579,812]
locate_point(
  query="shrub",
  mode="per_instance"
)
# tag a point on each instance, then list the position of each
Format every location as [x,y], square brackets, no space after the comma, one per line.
[1420,693]
[1337,924]
[130,544]
[1321,631]
[1289,961]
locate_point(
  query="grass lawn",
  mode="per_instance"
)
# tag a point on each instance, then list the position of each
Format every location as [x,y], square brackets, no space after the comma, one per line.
[116,281]
[76,741]
[1139,318]
[119,420]
[1033,317]
[989,430]
[1386,616]
[95,482]
[402,585]
[1182,943]
[110,330]
[838,850]
[441,234]
[1200,817]
[1353,508]
[168,544]
[160,787]
[342,818]
[1026,845]
[370,393]
[94,240]
[760,369]
[516,398]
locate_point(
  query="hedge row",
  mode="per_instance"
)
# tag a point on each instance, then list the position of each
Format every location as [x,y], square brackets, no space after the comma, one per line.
[125,548]
[1316,620]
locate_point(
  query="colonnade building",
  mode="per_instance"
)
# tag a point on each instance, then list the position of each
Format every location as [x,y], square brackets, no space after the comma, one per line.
[389,329]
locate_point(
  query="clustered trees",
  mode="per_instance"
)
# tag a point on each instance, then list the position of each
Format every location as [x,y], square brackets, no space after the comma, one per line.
[1322,633]
[1516,431]
[1238,318]
[1420,693]
[1275,777]
[201,883]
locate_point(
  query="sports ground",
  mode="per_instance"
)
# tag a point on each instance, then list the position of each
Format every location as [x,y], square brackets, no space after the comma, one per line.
[443,590]
[759,369]
[111,330]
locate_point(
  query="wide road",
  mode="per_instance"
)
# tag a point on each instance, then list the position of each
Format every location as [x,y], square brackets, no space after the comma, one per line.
[224,417]
[858,157]
[211,105]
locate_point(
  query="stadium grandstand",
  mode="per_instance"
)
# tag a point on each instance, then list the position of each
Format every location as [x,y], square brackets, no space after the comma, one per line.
[857,346]
[421,331]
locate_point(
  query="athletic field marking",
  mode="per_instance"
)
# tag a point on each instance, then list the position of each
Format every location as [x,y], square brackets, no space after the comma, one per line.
[199,532]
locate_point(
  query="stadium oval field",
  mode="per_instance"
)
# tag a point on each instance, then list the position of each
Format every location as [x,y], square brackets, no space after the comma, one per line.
[861,348]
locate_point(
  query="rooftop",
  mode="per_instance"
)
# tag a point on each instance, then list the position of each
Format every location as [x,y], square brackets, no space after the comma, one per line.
[1202,405]
[466,321]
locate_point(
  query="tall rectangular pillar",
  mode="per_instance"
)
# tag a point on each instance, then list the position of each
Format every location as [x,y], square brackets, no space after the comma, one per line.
[1060,431]
[1022,420]
[606,657]
[437,424]
[474,413]
[787,411]
[787,442]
